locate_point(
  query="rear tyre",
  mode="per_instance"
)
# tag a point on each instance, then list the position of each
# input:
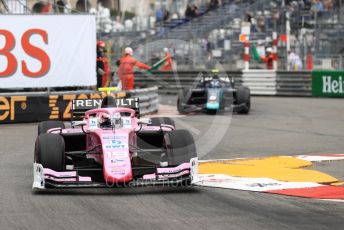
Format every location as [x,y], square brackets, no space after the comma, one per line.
[50,151]
[44,126]
[157,121]
[180,147]
[243,96]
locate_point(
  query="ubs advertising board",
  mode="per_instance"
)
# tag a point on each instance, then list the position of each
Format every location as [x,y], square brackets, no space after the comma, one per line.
[47,51]
[327,83]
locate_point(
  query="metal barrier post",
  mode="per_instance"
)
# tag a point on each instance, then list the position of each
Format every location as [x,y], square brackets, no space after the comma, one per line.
[247,54]
[274,49]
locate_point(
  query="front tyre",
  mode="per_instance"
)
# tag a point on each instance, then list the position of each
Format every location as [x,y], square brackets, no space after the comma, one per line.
[157,121]
[243,97]
[180,147]
[50,151]
[44,126]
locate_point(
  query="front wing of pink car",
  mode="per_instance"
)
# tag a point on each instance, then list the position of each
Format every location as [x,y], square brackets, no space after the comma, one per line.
[46,178]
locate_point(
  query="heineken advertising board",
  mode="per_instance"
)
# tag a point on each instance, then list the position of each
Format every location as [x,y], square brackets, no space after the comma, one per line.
[327,83]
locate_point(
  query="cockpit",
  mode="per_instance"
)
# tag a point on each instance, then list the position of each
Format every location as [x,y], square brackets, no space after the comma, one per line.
[214,80]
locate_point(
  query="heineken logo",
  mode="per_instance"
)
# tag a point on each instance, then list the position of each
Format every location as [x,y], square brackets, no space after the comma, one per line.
[332,85]
[328,83]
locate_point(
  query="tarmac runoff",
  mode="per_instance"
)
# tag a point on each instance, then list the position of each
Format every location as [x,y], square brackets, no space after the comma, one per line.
[284,175]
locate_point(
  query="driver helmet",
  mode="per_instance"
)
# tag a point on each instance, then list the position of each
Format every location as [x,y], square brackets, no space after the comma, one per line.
[104,119]
[215,82]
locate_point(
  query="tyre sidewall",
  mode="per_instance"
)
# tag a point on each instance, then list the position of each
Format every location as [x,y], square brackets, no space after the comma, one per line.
[243,96]
[50,151]
[180,147]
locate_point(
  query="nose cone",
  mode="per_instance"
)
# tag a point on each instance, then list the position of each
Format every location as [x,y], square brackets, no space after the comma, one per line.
[213,105]
[117,167]
[116,156]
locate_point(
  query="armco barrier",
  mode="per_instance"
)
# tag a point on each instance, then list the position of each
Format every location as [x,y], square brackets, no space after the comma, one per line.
[261,82]
[149,102]
[172,82]
[294,83]
[34,107]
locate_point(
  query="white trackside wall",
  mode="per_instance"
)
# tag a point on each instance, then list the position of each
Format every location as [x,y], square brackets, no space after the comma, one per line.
[260,82]
[47,51]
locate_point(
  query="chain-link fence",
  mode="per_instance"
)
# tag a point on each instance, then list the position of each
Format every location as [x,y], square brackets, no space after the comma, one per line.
[14,6]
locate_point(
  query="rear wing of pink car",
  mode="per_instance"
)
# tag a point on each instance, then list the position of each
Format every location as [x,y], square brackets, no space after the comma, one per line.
[80,106]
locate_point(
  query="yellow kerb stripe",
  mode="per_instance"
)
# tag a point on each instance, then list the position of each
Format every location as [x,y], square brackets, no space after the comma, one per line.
[280,168]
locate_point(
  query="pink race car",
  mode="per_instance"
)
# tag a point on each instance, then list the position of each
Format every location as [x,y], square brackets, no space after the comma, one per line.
[112,147]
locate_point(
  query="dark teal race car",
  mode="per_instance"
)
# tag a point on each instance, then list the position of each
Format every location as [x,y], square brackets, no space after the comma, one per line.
[213,92]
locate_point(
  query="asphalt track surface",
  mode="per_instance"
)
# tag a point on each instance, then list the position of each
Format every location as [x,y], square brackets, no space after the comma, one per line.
[276,126]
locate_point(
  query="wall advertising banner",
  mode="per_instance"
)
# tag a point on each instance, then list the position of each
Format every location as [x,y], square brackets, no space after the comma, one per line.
[42,107]
[327,83]
[47,51]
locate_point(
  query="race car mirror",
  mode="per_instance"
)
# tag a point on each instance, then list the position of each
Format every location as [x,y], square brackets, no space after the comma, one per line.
[79,123]
[166,126]
[145,121]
